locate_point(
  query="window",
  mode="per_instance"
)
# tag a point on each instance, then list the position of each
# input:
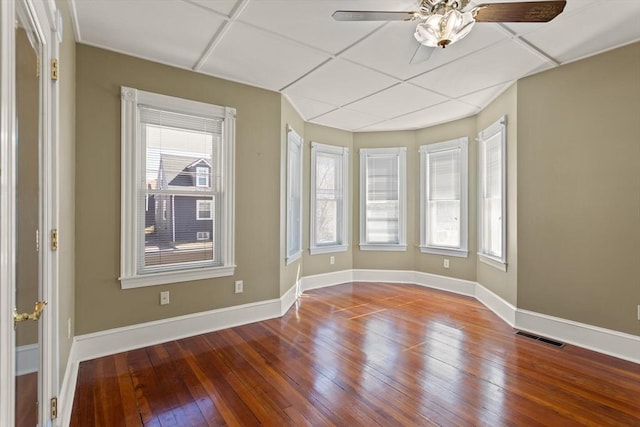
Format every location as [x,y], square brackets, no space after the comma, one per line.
[204,209]
[492,195]
[187,233]
[294,196]
[329,203]
[383,199]
[202,177]
[443,198]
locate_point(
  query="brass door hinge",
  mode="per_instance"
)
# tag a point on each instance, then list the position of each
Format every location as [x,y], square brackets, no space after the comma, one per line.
[54,239]
[54,408]
[54,69]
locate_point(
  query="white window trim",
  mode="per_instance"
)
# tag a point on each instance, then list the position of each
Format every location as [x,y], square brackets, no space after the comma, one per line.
[500,126]
[343,216]
[202,202]
[294,142]
[132,175]
[401,152]
[463,144]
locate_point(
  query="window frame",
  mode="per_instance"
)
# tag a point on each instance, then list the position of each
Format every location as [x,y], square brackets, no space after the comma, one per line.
[497,128]
[401,154]
[342,241]
[295,147]
[198,209]
[425,150]
[205,175]
[133,167]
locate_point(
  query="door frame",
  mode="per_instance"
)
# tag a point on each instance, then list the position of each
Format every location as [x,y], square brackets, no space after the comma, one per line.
[47,22]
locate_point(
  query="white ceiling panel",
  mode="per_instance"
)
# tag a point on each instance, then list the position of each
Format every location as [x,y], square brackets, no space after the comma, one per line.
[396,101]
[346,119]
[450,110]
[340,82]
[125,26]
[483,97]
[263,59]
[504,62]
[310,21]
[224,7]
[390,50]
[310,108]
[589,31]
[352,75]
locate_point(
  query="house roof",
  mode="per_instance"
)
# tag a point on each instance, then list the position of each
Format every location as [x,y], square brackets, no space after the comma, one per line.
[176,170]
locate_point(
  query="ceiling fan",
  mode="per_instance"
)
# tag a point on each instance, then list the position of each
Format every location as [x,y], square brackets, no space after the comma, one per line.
[445,21]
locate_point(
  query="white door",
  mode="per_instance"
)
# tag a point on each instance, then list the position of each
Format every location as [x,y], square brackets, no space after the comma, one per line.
[27,259]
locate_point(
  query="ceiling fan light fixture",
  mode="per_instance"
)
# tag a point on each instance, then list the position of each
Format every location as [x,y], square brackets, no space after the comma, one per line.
[443,29]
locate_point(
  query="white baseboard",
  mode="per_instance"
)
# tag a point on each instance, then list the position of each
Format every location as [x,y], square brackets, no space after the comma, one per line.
[117,340]
[68,389]
[606,341]
[27,359]
[90,346]
[503,309]
[327,279]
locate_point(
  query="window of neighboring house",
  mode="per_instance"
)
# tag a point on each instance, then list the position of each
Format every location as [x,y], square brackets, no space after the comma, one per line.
[443,198]
[202,176]
[383,199]
[162,139]
[492,209]
[329,203]
[294,196]
[204,209]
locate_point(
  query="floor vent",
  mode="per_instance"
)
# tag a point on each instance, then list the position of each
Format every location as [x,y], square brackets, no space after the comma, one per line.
[544,340]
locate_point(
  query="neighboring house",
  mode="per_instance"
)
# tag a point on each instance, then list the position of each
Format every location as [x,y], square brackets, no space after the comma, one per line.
[173,219]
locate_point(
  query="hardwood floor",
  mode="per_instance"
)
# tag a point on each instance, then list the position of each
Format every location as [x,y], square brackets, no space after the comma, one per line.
[27,400]
[361,354]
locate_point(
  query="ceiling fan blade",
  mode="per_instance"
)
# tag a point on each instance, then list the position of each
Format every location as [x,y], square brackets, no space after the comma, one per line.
[354,15]
[421,54]
[533,11]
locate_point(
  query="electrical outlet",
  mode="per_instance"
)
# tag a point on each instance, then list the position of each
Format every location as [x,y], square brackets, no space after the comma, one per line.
[446,263]
[69,328]
[164,298]
[332,260]
[638,311]
[239,286]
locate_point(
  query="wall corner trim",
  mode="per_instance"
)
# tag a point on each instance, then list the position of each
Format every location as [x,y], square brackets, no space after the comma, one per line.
[112,341]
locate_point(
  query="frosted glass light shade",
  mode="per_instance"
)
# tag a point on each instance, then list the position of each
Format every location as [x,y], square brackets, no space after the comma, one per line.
[441,30]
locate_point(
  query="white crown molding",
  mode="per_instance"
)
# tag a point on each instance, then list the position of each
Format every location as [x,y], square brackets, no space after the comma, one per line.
[90,346]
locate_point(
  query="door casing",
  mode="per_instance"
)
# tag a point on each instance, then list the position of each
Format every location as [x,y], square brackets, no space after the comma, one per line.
[46,22]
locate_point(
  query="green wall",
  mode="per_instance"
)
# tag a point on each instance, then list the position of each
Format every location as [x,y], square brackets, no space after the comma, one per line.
[579,191]
[100,302]
[573,208]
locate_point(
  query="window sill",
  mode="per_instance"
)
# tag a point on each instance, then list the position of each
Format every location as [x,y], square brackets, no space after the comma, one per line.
[382,247]
[493,262]
[153,279]
[328,249]
[288,260]
[459,253]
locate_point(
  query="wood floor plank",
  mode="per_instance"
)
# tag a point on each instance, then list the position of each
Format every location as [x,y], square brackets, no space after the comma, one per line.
[361,354]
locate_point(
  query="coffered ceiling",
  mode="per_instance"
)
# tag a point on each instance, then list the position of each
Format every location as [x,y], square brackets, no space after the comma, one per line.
[356,76]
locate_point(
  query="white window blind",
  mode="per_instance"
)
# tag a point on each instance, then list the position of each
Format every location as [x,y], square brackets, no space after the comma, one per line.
[444,198]
[383,190]
[492,177]
[294,196]
[329,220]
[177,200]
[179,149]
